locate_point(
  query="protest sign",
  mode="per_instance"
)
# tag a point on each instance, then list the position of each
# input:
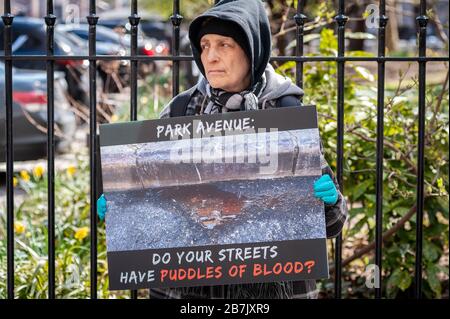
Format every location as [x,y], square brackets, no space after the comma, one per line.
[213,199]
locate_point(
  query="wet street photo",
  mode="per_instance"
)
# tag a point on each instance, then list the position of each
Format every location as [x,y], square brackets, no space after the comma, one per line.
[217,213]
[155,201]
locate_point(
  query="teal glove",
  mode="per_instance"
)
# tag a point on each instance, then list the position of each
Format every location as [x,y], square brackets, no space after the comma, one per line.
[325,190]
[101,207]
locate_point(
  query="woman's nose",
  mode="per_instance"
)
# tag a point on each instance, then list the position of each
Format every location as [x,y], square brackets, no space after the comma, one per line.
[212,55]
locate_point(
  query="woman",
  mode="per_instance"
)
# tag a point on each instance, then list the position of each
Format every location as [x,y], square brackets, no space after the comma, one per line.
[231,45]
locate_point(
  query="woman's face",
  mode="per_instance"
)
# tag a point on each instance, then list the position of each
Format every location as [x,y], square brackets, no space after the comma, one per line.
[226,65]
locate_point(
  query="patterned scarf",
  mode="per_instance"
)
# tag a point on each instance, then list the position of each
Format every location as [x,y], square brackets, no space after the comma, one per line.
[220,101]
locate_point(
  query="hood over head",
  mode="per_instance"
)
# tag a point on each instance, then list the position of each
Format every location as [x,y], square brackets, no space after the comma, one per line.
[250,17]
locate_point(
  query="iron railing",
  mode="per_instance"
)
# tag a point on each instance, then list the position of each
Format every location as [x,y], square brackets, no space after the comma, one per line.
[134,58]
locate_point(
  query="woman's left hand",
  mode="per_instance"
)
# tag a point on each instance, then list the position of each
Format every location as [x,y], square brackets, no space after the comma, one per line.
[325,190]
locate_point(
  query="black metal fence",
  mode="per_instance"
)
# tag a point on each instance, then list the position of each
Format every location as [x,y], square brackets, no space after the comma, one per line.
[176,19]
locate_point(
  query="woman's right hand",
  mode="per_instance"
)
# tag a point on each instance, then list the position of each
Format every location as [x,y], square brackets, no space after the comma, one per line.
[101,207]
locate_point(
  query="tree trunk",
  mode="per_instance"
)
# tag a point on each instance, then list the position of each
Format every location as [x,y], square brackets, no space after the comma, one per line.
[277,10]
[392,37]
[356,10]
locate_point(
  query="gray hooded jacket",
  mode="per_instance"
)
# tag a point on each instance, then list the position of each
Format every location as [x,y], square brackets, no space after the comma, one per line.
[279,92]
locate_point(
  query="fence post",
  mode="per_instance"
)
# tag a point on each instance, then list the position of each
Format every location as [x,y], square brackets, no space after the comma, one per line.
[92,20]
[176,19]
[382,20]
[134,22]
[8,20]
[300,20]
[341,20]
[50,20]
[422,20]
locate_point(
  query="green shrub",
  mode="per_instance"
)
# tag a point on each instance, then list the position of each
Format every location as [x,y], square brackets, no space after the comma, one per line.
[399,175]
[72,236]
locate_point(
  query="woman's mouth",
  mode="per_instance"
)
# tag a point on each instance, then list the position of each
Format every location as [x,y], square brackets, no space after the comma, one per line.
[216,72]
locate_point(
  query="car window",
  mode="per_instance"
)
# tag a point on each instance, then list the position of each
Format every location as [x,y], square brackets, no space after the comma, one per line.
[73,39]
[19,42]
[108,37]
[2,35]
[101,35]
[27,42]
[66,44]
[81,33]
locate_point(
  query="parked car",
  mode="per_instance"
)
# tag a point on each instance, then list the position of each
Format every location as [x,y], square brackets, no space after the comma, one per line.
[112,43]
[30,114]
[149,43]
[108,43]
[29,38]
[155,27]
